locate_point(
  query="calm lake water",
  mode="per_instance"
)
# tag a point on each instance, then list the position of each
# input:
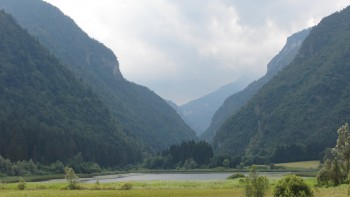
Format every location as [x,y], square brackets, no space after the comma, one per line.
[172,177]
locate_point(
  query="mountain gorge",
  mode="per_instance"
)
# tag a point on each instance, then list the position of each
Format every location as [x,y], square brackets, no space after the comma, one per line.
[295,116]
[47,114]
[199,112]
[140,111]
[234,102]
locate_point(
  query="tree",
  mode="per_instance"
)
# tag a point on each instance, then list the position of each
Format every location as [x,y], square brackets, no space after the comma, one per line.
[337,170]
[21,184]
[292,186]
[255,185]
[71,178]
[336,173]
[325,174]
[342,148]
[226,163]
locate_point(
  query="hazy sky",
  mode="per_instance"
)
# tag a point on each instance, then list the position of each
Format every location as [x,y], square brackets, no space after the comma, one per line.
[184,49]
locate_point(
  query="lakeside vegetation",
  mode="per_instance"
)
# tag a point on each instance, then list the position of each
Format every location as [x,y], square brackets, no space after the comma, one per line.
[155,188]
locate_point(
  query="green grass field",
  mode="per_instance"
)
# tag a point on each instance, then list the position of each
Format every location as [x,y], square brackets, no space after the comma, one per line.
[152,189]
[220,188]
[300,165]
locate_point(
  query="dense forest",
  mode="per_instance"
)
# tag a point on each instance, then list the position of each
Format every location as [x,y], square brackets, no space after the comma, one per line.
[187,155]
[294,116]
[140,111]
[46,114]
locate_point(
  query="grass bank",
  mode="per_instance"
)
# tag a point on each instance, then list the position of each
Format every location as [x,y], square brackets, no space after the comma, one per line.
[152,189]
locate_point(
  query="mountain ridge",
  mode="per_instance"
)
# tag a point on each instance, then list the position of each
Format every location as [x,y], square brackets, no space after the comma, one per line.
[141,112]
[296,115]
[46,114]
[234,102]
[199,112]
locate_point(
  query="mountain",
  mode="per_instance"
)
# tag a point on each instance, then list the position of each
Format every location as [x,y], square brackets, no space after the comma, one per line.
[46,114]
[296,115]
[140,111]
[199,112]
[233,103]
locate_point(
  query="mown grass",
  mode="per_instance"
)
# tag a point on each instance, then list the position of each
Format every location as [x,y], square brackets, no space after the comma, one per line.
[300,165]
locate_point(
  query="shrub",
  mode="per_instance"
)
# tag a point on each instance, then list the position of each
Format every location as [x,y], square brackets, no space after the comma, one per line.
[254,185]
[235,176]
[71,178]
[126,186]
[292,186]
[21,184]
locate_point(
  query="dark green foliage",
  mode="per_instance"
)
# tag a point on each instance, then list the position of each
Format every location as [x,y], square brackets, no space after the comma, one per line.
[188,155]
[294,115]
[226,163]
[335,172]
[292,186]
[126,186]
[46,114]
[341,150]
[200,152]
[236,176]
[325,174]
[218,160]
[139,110]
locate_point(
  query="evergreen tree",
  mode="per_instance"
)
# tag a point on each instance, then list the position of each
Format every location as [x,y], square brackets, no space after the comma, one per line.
[342,148]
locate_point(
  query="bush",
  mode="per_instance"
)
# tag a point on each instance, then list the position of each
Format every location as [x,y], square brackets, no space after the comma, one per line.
[21,184]
[71,178]
[291,186]
[236,176]
[254,185]
[126,186]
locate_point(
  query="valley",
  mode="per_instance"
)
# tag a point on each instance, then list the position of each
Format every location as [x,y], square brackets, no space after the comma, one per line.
[67,111]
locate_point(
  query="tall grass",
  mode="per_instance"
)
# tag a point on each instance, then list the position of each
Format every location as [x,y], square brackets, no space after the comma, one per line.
[152,189]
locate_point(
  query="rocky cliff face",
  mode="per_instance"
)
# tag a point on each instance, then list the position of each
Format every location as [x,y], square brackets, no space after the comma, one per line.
[233,103]
[295,115]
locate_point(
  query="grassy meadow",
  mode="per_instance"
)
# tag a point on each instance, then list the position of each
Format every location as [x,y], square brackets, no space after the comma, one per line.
[151,189]
[217,188]
[300,165]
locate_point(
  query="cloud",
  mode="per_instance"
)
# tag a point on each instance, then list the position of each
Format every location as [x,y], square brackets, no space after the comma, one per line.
[184,49]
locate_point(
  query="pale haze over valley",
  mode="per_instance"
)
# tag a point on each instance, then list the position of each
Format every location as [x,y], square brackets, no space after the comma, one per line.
[184,49]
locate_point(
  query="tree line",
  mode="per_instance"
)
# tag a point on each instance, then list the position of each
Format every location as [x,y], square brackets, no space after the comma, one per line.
[188,155]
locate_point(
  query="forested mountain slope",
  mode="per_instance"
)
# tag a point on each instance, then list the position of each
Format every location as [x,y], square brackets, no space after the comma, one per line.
[233,103]
[296,115]
[143,113]
[46,114]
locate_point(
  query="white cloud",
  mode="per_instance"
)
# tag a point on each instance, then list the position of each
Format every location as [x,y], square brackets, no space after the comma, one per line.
[183,49]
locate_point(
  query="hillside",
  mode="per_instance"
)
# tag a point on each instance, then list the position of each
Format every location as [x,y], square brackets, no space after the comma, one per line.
[233,103]
[141,112]
[296,115]
[199,112]
[46,114]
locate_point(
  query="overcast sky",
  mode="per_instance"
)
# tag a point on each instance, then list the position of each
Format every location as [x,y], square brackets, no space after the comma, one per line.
[184,49]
